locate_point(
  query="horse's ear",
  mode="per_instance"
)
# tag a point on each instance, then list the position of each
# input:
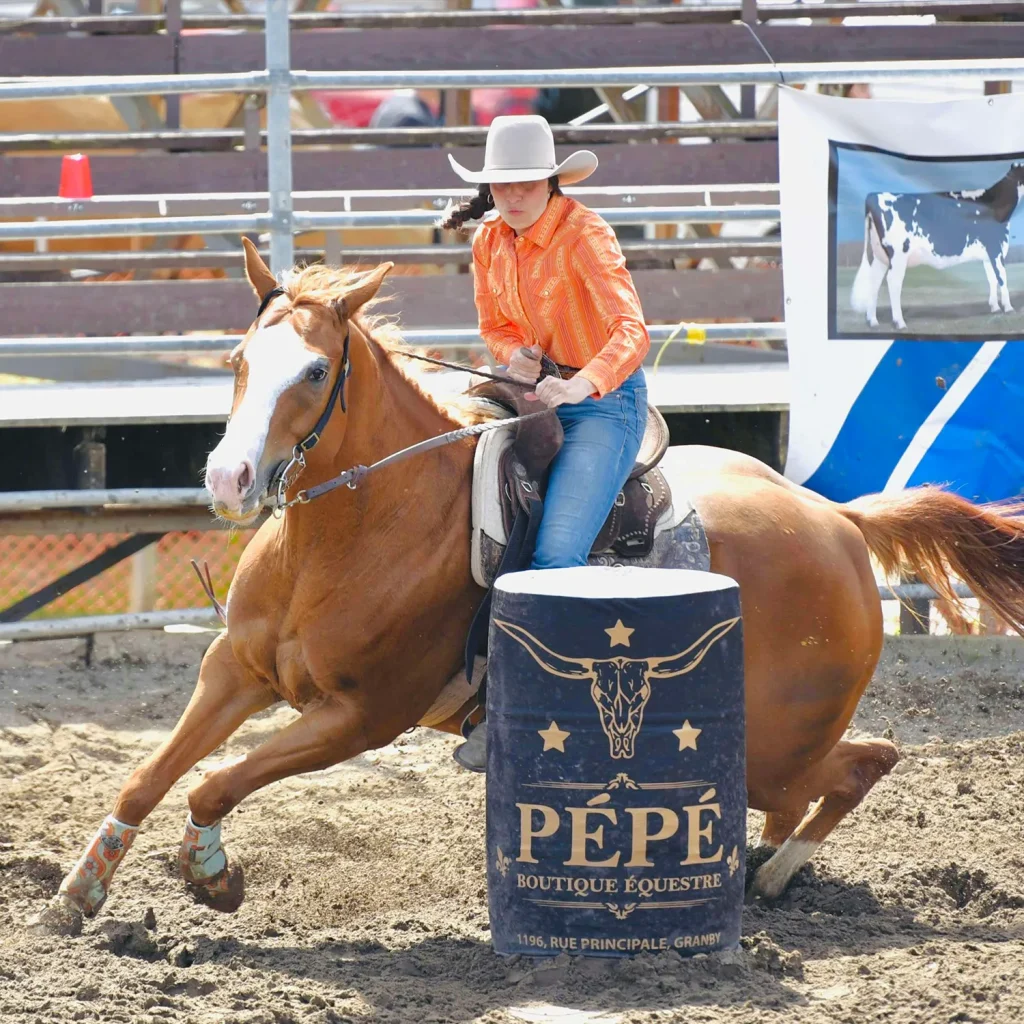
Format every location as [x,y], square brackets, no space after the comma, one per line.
[363,290]
[258,273]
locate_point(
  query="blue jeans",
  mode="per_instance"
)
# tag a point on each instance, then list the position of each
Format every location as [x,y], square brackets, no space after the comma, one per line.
[602,439]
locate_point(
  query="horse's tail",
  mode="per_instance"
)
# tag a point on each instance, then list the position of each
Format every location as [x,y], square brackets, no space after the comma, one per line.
[942,538]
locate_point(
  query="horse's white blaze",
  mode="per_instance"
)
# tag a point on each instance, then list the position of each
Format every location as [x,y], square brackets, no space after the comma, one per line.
[276,358]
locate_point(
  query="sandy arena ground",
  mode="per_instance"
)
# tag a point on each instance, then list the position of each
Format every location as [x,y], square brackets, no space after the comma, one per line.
[366,887]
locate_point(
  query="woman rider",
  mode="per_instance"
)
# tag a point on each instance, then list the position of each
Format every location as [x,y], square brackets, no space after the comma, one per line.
[550,278]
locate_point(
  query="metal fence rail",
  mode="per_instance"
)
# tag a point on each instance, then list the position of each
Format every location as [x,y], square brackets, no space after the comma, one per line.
[710,74]
[86,625]
[171,204]
[655,77]
[134,497]
[228,138]
[660,249]
[437,338]
[314,220]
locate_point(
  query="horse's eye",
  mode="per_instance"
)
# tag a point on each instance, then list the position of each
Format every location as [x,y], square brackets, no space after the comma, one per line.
[317,374]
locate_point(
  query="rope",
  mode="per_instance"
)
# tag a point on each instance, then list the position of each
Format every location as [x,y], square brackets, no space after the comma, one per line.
[695,335]
[757,39]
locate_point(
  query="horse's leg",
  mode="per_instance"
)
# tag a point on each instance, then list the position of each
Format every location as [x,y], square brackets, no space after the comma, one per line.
[326,734]
[842,779]
[224,697]
[779,826]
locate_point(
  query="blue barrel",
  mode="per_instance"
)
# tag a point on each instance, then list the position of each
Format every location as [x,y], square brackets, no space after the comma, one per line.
[616,767]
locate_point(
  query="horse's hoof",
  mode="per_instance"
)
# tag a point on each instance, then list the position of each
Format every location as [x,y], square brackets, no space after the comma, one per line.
[224,893]
[756,895]
[757,857]
[766,887]
[61,916]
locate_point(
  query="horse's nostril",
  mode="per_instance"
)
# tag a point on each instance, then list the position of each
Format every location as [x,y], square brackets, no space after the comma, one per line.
[244,481]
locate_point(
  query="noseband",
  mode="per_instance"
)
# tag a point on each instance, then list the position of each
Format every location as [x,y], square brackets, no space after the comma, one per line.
[287,473]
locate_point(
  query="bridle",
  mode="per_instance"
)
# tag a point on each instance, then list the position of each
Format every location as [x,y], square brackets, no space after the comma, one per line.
[287,473]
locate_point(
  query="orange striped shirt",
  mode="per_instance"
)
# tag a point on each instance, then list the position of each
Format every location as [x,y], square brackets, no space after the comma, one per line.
[562,284]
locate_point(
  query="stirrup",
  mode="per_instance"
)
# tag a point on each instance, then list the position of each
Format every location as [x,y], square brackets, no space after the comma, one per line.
[472,755]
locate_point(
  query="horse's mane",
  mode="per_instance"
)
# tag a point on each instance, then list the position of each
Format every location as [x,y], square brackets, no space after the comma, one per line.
[445,389]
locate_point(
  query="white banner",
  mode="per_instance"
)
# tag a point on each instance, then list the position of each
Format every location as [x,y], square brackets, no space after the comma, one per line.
[903,263]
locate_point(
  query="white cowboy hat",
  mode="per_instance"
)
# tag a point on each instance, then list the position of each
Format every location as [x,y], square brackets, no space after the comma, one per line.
[522,148]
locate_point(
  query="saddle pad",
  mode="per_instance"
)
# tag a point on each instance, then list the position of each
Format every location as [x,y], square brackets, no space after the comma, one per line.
[455,693]
[488,529]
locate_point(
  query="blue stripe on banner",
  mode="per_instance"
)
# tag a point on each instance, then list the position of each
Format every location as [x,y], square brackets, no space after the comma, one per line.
[888,412]
[980,452]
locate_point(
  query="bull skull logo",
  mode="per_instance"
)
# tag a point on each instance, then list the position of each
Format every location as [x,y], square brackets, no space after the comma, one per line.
[619,686]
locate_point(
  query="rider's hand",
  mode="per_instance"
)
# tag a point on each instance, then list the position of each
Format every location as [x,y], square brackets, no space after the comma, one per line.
[524,366]
[553,391]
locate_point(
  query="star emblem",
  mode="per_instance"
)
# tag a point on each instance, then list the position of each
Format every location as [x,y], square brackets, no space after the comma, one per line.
[687,736]
[620,634]
[553,737]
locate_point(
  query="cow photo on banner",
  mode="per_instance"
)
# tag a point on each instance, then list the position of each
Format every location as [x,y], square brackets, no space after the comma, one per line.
[903,256]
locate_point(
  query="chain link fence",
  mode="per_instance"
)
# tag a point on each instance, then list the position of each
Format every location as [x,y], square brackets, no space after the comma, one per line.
[160,578]
[157,578]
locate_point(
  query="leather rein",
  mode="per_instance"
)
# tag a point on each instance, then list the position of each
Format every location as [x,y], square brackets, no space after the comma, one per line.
[287,473]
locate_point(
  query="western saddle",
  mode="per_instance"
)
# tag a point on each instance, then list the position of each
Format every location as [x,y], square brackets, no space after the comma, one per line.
[629,529]
[524,466]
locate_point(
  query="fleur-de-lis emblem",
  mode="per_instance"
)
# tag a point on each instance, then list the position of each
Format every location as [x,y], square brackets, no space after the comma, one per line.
[502,863]
[623,780]
[621,913]
[733,860]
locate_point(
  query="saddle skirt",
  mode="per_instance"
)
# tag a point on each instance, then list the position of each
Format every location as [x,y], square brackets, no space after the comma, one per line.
[643,511]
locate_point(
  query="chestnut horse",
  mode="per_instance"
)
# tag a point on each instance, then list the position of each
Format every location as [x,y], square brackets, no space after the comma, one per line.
[354,608]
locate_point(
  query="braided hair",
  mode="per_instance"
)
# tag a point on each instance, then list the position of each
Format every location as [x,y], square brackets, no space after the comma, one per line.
[477,207]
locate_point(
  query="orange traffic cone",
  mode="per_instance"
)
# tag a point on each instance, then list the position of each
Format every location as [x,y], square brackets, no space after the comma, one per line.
[75,177]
